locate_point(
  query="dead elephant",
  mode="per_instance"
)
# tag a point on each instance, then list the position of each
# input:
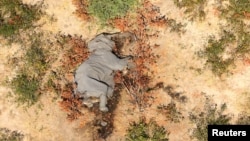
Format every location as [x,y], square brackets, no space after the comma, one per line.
[94,77]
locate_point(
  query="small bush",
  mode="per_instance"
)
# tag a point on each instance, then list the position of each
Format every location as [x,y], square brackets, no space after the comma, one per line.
[233,45]
[171,112]
[211,116]
[26,89]
[243,119]
[194,8]
[214,53]
[28,80]
[8,135]
[143,131]
[176,27]
[243,46]
[105,10]
[237,9]
[15,15]
[177,96]
[35,58]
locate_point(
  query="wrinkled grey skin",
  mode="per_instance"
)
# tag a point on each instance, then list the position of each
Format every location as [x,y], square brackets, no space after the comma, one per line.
[95,76]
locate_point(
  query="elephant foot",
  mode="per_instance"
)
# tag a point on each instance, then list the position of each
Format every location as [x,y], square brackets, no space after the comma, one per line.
[110,92]
[104,109]
[88,103]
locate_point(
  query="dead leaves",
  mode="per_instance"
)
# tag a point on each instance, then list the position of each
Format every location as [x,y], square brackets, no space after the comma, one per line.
[77,53]
[70,104]
[138,79]
[81,9]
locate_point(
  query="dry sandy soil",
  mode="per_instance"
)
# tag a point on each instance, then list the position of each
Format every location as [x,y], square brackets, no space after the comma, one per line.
[45,121]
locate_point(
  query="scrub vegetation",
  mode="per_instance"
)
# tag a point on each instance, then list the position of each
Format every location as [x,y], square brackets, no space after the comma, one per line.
[43,67]
[237,9]
[211,115]
[8,135]
[193,8]
[143,131]
[171,112]
[16,16]
[234,42]
[106,10]
[28,80]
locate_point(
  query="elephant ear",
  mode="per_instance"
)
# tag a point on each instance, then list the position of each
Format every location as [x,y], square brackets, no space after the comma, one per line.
[101,42]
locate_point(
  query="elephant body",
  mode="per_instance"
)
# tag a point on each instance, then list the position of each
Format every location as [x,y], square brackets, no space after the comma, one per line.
[95,76]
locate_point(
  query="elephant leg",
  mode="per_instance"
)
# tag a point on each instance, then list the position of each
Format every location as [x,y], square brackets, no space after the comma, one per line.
[88,103]
[109,80]
[103,103]
[110,92]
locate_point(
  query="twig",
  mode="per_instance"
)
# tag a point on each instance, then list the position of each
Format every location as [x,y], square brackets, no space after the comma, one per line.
[136,98]
[127,89]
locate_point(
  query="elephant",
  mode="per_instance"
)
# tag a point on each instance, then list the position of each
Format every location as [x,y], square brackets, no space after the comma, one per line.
[94,78]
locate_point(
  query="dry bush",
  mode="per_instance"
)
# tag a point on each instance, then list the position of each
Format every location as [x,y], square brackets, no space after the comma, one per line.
[76,54]
[195,9]
[70,104]
[211,114]
[176,96]
[81,9]
[137,81]
[8,135]
[171,112]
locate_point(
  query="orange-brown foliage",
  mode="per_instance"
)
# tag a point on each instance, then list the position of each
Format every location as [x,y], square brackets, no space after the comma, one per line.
[70,104]
[81,9]
[77,53]
[246,14]
[137,82]
[246,61]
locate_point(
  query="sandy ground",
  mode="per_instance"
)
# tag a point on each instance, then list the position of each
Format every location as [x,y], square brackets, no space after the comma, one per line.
[45,121]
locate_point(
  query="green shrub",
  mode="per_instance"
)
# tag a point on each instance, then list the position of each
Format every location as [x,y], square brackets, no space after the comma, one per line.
[143,131]
[105,10]
[214,50]
[211,116]
[31,69]
[25,88]
[30,76]
[237,9]
[35,58]
[194,8]
[243,43]
[15,15]
[236,43]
